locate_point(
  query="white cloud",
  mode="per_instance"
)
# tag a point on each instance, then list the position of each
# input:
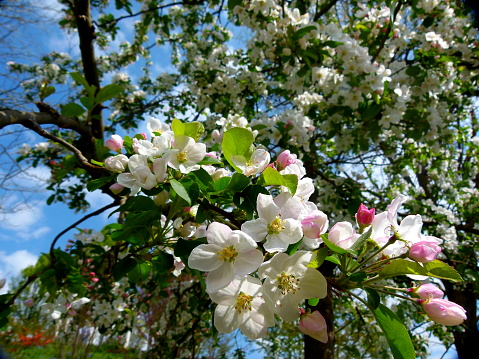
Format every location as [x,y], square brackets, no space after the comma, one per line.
[11,265]
[25,216]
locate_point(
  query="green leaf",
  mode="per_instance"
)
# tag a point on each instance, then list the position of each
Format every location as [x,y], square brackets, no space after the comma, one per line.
[246,200]
[435,269]
[237,141]
[373,298]
[72,110]
[140,272]
[184,247]
[162,263]
[362,239]
[313,301]
[221,184]
[271,177]
[123,267]
[292,248]
[180,190]
[238,182]
[77,77]
[321,255]
[298,34]
[441,270]
[233,3]
[137,204]
[204,179]
[190,129]
[88,102]
[333,259]
[99,182]
[108,92]
[395,332]
[46,91]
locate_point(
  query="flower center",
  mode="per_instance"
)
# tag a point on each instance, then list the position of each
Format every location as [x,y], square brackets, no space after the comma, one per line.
[276,226]
[227,254]
[243,302]
[181,157]
[288,283]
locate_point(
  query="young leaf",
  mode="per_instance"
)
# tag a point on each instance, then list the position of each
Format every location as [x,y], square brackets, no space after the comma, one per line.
[237,141]
[435,269]
[108,92]
[180,190]
[190,129]
[72,110]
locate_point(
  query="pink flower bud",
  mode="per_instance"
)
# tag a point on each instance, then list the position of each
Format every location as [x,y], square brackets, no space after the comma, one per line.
[365,216]
[115,143]
[144,135]
[285,159]
[315,224]
[72,312]
[116,188]
[314,325]
[424,251]
[94,280]
[444,312]
[29,303]
[212,154]
[343,235]
[428,291]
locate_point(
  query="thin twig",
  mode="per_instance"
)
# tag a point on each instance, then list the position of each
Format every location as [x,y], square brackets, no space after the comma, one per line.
[97,212]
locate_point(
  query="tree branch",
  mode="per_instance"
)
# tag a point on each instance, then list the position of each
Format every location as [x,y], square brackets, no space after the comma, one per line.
[14,117]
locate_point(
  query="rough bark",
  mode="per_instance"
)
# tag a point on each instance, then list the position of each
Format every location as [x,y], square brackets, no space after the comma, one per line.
[314,349]
[86,34]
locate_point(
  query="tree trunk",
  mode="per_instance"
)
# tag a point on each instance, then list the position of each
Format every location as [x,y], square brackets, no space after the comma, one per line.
[314,349]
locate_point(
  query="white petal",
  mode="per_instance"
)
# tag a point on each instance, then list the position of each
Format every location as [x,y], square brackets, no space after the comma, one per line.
[247,262]
[410,228]
[256,229]
[267,209]
[220,277]
[226,318]
[218,233]
[205,257]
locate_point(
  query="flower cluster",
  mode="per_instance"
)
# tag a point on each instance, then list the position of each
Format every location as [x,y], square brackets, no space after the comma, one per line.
[267,263]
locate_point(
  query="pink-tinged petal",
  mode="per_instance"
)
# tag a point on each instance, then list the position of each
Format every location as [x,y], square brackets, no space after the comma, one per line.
[427,291]
[267,209]
[247,262]
[205,257]
[226,318]
[315,326]
[256,229]
[218,233]
[220,277]
[444,312]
